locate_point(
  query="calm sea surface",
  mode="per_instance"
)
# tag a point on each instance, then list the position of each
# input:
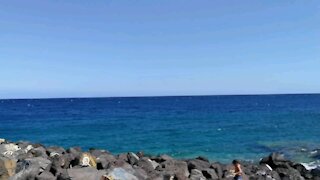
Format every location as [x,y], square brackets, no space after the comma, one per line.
[218,127]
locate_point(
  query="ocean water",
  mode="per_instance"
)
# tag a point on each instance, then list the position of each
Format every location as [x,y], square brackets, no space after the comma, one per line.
[221,128]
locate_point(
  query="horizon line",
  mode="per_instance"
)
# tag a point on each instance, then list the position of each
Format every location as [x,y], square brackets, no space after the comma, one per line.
[155,96]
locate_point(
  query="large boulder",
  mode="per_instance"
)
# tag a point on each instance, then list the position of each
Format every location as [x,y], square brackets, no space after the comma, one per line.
[275,160]
[210,174]
[196,175]
[133,158]
[147,164]
[45,175]
[105,161]
[198,164]
[86,173]
[30,168]
[218,168]
[162,158]
[7,167]
[289,173]
[174,168]
[120,173]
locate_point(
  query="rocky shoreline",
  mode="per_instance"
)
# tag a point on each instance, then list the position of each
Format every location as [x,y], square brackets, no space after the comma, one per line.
[27,161]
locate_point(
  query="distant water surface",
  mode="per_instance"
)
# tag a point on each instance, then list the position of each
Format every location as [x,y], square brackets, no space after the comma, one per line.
[219,127]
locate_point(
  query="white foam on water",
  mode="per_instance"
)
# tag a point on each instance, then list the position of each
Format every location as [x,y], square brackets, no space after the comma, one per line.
[311,165]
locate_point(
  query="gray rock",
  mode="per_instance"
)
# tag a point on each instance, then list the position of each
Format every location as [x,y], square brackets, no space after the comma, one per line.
[86,173]
[210,174]
[30,168]
[120,173]
[45,175]
[174,168]
[196,175]
[289,173]
[133,158]
[39,152]
[105,161]
[217,167]
[198,164]
[147,164]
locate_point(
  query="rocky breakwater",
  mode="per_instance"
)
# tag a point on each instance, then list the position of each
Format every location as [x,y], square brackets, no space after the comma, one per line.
[26,161]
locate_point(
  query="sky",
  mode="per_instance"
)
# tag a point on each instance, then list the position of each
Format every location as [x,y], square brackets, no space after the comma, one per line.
[102,48]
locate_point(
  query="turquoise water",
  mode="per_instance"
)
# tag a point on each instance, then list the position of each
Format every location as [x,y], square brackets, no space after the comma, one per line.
[218,127]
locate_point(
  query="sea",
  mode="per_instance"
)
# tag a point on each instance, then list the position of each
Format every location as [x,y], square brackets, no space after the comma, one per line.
[221,128]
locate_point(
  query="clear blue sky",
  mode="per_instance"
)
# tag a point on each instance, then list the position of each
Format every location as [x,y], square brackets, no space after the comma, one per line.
[77,48]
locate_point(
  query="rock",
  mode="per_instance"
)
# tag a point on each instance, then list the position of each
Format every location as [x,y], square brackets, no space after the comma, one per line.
[147,164]
[198,164]
[55,150]
[2,141]
[105,161]
[174,168]
[217,167]
[120,173]
[316,172]
[45,176]
[39,152]
[123,156]
[210,174]
[9,150]
[275,160]
[196,175]
[133,158]
[303,171]
[289,173]
[86,173]
[87,160]
[74,154]
[30,168]
[7,167]
[202,158]
[162,158]
[97,152]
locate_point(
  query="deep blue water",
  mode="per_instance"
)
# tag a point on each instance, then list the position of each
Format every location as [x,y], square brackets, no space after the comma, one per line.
[219,127]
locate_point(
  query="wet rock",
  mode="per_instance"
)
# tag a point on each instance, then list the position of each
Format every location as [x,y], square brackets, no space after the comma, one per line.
[210,174]
[133,158]
[289,173]
[316,172]
[303,171]
[7,167]
[86,173]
